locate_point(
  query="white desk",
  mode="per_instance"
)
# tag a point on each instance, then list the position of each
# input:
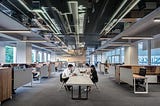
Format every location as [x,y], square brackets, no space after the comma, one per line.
[79,80]
[140,77]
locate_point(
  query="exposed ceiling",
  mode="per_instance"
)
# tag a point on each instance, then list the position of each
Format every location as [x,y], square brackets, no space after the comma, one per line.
[76,24]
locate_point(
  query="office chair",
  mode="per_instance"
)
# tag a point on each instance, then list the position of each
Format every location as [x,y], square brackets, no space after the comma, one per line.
[139,82]
[61,80]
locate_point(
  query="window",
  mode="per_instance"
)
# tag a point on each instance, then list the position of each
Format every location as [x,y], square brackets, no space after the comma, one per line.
[142,53]
[45,57]
[49,57]
[155,52]
[39,57]
[33,55]
[9,52]
[116,55]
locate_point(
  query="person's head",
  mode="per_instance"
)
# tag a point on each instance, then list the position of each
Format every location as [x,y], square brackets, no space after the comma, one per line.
[87,65]
[70,66]
[92,67]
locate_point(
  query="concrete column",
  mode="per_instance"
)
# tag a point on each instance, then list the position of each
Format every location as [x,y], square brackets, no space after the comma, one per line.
[47,57]
[131,55]
[53,56]
[149,52]
[24,52]
[42,56]
[36,55]
[92,59]
[2,53]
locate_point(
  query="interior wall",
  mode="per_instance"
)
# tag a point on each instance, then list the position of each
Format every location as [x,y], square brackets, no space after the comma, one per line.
[131,55]
[73,59]
[2,53]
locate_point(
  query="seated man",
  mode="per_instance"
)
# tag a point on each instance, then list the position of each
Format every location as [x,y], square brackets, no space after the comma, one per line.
[66,74]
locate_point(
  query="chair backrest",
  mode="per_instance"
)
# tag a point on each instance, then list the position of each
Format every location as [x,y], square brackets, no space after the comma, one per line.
[61,80]
[142,71]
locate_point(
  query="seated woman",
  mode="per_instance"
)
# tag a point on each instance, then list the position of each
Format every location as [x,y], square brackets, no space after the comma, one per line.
[94,76]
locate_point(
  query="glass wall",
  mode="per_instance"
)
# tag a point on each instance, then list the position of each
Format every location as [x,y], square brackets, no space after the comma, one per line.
[143,53]
[155,51]
[45,57]
[49,57]
[33,56]
[10,54]
[39,57]
[116,55]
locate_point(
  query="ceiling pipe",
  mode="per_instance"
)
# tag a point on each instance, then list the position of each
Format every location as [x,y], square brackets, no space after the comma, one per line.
[73,7]
[100,14]
[43,13]
[125,12]
[113,16]
[130,7]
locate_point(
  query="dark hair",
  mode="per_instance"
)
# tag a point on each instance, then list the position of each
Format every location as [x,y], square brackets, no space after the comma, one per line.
[87,64]
[70,65]
[92,66]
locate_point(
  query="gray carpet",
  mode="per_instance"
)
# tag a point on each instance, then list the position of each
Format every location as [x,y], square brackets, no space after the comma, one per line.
[48,93]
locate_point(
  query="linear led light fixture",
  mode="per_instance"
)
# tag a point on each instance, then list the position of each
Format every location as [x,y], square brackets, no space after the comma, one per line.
[34,41]
[15,31]
[118,44]
[104,49]
[55,26]
[104,38]
[156,20]
[136,37]
[21,2]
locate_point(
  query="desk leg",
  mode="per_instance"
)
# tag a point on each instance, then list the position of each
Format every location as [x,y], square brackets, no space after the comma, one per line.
[134,84]
[146,87]
[79,94]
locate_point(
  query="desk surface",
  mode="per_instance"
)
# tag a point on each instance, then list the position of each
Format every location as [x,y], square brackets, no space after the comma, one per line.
[138,76]
[79,80]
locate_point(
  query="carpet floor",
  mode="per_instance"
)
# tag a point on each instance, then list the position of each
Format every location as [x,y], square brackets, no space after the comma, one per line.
[109,93]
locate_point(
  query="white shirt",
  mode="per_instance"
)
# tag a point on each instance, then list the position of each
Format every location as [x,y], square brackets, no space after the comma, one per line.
[88,70]
[66,73]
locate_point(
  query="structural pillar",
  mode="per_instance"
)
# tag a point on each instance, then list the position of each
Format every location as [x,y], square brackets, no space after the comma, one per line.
[53,56]
[131,55]
[24,52]
[2,53]
[149,52]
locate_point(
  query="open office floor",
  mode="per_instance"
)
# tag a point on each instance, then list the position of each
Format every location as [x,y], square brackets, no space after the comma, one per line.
[48,93]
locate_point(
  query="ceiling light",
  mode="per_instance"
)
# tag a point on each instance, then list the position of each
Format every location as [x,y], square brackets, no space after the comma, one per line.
[20,1]
[156,19]
[34,41]
[136,37]
[16,31]
[104,38]
[118,44]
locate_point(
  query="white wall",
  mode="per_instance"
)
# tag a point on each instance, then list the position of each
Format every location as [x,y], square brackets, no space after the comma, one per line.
[131,55]
[2,53]
[24,52]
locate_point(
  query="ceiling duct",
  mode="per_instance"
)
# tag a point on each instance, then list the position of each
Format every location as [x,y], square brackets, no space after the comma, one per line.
[118,15]
[73,8]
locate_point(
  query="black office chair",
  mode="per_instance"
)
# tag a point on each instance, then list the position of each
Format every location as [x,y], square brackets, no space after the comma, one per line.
[63,81]
[139,82]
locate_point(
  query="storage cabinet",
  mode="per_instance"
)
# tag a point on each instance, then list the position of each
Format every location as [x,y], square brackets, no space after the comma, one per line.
[5,84]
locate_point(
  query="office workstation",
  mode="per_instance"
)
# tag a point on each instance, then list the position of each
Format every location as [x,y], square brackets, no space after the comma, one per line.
[39,39]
